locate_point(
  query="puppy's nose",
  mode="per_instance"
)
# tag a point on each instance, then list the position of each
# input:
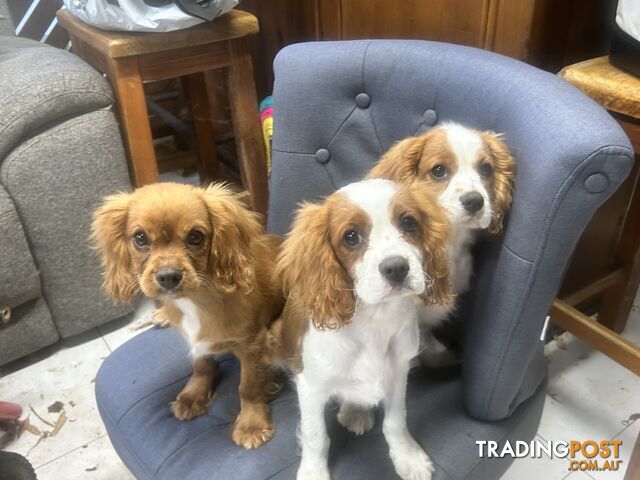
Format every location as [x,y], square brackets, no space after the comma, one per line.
[394,269]
[169,278]
[472,201]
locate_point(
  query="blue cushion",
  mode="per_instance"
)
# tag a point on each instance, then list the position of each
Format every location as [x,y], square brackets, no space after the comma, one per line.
[138,381]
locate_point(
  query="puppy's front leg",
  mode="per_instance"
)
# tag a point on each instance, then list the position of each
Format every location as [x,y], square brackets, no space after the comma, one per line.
[196,396]
[313,432]
[253,425]
[409,459]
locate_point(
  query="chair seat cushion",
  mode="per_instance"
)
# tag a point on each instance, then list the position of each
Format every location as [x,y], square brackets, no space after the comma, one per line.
[138,381]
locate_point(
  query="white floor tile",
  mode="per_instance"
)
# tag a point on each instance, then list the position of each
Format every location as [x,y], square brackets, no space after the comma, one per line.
[537,468]
[120,331]
[63,373]
[589,395]
[95,460]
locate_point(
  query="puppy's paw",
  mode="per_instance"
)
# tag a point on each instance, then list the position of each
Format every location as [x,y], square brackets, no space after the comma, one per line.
[250,431]
[188,406]
[412,463]
[160,319]
[356,419]
[316,470]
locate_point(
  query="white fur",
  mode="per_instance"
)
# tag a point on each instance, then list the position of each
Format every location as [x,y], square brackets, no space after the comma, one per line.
[374,197]
[190,327]
[465,144]
[366,361]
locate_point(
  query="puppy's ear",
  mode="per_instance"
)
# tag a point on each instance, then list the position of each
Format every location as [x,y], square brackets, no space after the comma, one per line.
[235,228]
[109,237]
[400,162]
[504,175]
[311,272]
[435,236]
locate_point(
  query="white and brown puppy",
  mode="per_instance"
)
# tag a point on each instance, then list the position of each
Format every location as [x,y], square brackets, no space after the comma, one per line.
[472,173]
[353,268]
[203,255]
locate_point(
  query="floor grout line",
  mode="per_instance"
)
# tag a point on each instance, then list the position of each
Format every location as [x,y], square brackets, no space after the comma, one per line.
[70,451]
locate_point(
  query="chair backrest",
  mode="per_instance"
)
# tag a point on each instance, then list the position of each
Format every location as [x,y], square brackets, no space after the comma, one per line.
[339,105]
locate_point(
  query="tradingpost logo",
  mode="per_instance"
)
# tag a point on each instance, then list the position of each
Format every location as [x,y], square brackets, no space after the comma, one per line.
[587,456]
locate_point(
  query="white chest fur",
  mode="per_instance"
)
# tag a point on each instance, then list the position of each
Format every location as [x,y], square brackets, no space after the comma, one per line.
[190,325]
[355,362]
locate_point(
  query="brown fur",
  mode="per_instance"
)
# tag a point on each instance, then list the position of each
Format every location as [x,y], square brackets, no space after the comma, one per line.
[229,278]
[414,157]
[317,269]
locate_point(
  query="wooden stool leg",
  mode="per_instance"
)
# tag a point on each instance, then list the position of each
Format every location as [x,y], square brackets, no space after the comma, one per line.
[246,127]
[124,75]
[617,301]
[195,88]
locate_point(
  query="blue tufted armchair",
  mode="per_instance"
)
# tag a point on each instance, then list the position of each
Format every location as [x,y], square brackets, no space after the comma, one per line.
[338,106]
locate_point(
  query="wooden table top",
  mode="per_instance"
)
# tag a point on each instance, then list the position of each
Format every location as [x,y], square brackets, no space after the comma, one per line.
[114,44]
[614,89]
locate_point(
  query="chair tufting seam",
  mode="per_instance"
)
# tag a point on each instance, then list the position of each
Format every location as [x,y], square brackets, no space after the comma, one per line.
[116,425]
[373,123]
[526,260]
[184,445]
[542,245]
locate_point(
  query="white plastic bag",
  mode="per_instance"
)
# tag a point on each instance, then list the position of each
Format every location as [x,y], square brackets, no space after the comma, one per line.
[135,15]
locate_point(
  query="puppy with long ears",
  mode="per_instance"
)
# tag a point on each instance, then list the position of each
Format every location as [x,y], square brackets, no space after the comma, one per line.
[472,173]
[354,269]
[203,255]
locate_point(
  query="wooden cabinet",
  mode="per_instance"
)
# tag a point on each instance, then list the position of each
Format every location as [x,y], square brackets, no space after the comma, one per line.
[499,25]
[546,33]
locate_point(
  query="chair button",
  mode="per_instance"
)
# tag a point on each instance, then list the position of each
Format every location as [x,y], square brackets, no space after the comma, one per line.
[596,183]
[5,313]
[363,100]
[323,155]
[430,117]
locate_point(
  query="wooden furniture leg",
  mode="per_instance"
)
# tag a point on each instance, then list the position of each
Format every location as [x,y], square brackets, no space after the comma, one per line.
[124,75]
[617,302]
[196,92]
[244,115]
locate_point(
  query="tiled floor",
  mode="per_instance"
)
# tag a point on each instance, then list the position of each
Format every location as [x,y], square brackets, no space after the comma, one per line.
[589,396]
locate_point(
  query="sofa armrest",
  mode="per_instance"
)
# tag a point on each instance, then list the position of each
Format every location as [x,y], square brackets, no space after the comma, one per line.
[41,87]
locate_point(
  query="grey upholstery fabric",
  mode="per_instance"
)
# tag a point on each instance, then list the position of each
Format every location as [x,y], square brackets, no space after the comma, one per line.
[6,22]
[60,153]
[135,385]
[19,281]
[571,156]
[30,329]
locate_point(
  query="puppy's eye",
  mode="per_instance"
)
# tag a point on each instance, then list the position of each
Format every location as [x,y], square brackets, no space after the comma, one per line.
[408,224]
[140,239]
[439,171]
[351,238]
[195,238]
[484,169]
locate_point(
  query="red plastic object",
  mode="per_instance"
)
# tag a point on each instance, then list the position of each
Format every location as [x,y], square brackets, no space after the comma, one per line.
[10,411]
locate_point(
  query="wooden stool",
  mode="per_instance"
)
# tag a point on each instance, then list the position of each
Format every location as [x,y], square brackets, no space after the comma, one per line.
[618,92]
[129,59]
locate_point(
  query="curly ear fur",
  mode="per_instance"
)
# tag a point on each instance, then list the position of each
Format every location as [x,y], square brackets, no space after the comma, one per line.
[504,175]
[109,237]
[311,272]
[235,230]
[436,233]
[400,162]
